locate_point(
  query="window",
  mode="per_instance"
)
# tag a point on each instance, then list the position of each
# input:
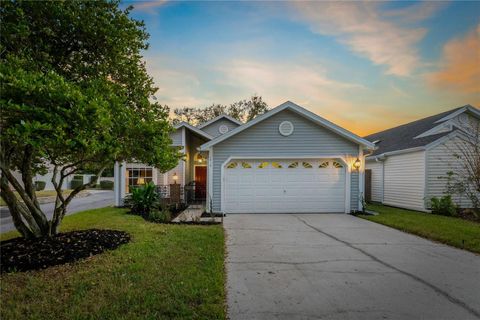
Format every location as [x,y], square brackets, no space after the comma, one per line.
[246,165]
[276,165]
[263,165]
[232,165]
[138,176]
[337,164]
[293,165]
[307,165]
[324,165]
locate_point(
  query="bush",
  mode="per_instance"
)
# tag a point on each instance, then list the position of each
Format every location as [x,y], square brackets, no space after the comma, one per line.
[75,183]
[78,177]
[40,185]
[443,206]
[143,200]
[163,215]
[106,185]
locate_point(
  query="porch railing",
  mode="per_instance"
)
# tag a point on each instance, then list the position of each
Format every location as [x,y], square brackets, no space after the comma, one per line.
[188,194]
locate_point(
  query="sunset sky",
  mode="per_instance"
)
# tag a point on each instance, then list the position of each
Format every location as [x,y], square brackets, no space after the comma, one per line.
[365,66]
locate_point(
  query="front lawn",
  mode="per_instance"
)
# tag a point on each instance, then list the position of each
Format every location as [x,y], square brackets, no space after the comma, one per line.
[449,230]
[166,271]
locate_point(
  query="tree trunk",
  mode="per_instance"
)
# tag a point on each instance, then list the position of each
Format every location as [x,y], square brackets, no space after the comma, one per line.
[16,211]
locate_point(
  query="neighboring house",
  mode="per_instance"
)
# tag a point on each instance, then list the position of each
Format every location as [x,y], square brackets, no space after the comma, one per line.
[410,162]
[285,161]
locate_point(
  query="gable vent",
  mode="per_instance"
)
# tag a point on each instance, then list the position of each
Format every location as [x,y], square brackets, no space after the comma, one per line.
[285,128]
[223,129]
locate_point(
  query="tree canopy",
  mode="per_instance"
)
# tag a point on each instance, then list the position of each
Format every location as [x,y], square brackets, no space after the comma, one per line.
[75,95]
[243,110]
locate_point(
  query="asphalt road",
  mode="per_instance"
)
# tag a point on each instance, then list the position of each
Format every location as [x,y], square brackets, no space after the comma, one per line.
[336,266]
[96,199]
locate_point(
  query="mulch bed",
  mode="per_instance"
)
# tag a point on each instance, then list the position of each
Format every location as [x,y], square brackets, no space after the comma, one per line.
[20,254]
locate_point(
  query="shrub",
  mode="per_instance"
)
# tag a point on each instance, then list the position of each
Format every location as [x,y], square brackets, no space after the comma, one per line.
[40,185]
[443,206]
[75,183]
[143,199]
[106,185]
[78,177]
[163,215]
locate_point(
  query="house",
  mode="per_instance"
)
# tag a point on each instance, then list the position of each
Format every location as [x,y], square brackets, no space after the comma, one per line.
[410,163]
[285,161]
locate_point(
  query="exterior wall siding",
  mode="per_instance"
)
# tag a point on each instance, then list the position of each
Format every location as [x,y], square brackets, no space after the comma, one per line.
[354,191]
[264,140]
[176,137]
[377,179]
[441,160]
[212,129]
[404,184]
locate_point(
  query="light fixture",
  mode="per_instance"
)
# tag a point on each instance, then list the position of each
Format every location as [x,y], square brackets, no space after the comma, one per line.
[356,164]
[140,181]
[199,160]
[175,178]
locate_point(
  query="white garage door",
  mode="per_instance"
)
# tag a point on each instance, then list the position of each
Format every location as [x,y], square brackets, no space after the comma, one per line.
[284,186]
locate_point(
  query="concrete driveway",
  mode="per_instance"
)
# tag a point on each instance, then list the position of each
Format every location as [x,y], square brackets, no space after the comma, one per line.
[336,266]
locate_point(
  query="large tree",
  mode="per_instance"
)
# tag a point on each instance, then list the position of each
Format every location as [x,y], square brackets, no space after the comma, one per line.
[75,95]
[243,110]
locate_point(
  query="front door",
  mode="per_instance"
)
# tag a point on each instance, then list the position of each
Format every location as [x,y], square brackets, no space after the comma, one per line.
[200,182]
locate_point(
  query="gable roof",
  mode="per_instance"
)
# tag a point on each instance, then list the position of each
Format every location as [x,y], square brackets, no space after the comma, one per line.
[192,128]
[299,110]
[222,116]
[405,136]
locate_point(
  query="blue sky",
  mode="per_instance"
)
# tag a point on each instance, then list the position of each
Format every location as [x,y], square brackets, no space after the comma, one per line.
[364,65]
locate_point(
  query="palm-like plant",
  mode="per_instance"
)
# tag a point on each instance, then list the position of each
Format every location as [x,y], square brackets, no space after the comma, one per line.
[143,199]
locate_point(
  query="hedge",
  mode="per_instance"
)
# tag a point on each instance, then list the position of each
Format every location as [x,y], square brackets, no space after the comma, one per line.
[106,185]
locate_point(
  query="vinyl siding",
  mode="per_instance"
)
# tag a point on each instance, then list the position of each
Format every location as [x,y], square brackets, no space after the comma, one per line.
[354,191]
[264,140]
[441,160]
[377,179]
[176,137]
[405,180]
[212,129]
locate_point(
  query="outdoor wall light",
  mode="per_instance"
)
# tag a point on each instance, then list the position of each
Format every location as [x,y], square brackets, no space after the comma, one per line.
[175,177]
[356,164]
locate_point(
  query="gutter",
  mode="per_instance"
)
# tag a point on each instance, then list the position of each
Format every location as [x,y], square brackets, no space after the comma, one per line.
[381,157]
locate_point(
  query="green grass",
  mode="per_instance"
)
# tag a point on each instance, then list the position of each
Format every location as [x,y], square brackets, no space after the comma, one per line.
[165,272]
[448,230]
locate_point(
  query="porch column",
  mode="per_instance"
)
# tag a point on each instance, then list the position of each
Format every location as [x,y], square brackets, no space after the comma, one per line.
[119,183]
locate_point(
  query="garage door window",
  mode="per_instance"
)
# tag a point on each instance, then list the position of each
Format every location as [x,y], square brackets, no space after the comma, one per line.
[293,165]
[246,165]
[307,165]
[263,165]
[232,165]
[337,164]
[323,165]
[276,165]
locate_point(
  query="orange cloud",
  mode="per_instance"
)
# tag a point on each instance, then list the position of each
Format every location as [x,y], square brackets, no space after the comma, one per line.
[371,32]
[460,65]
